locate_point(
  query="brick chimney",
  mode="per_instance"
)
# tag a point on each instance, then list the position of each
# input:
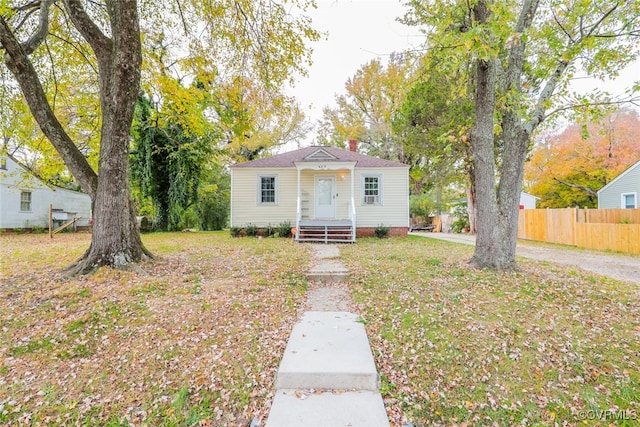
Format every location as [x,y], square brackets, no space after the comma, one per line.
[353,145]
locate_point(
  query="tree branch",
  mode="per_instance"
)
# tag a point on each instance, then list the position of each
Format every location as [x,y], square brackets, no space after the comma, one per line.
[578,186]
[22,69]
[597,24]
[43,29]
[564,30]
[634,100]
[89,30]
[517,49]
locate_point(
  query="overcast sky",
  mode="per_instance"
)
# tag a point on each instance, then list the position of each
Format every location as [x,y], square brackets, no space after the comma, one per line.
[361,30]
[357,32]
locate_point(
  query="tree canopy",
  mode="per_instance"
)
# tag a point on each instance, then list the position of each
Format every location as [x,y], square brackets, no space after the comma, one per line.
[568,168]
[79,66]
[374,94]
[525,55]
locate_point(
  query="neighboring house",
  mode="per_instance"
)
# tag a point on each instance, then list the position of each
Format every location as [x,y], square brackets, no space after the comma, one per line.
[623,191]
[25,200]
[326,193]
[527,201]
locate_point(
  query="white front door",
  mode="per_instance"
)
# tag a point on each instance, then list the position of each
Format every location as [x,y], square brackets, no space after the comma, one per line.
[325,197]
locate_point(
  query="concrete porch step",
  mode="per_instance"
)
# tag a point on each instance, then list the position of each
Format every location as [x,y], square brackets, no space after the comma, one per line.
[295,408]
[328,350]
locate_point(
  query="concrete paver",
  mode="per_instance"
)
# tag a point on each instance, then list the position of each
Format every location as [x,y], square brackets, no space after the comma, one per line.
[335,298]
[294,408]
[328,350]
[324,251]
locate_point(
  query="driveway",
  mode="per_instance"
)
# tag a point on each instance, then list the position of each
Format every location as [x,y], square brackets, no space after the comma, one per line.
[620,267]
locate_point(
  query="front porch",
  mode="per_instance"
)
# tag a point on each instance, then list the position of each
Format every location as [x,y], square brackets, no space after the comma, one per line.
[325,199]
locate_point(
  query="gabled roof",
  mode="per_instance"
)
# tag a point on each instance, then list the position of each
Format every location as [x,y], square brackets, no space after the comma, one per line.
[319,154]
[11,166]
[637,164]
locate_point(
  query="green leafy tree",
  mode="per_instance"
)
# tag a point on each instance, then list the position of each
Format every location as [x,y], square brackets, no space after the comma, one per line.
[166,165]
[96,48]
[253,119]
[433,124]
[525,54]
[374,95]
[214,199]
[568,168]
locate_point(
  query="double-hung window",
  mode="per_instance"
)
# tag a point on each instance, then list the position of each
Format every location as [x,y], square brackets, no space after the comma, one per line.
[267,189]
[371,190]
[25,201]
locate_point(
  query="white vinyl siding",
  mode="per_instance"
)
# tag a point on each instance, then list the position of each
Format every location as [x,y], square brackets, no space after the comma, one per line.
[394,198]
[246,196]
[246,209]
[19,210]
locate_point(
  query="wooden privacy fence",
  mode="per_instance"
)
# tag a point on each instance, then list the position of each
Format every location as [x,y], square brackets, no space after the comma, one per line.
[600,229]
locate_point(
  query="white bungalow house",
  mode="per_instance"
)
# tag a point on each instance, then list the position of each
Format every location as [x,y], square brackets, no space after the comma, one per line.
[25,200]
[326,193]
[623,191]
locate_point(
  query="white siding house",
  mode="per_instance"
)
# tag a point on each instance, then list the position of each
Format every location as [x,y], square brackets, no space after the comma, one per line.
[25,200]
[527,201]
[326,193]
[623,191]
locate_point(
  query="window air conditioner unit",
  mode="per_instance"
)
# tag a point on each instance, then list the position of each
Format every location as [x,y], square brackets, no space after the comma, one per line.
[370,200]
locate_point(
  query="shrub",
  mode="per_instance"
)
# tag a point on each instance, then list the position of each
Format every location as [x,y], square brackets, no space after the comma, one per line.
[37,229]
[251,230]
[235,231]
[462,218]
[381,231]
[269,230]
[284,229]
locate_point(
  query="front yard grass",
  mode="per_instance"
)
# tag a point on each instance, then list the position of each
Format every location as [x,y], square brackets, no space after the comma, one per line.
[196,342]
[458,346]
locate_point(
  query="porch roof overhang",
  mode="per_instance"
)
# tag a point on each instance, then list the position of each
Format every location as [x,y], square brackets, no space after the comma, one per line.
[327,165]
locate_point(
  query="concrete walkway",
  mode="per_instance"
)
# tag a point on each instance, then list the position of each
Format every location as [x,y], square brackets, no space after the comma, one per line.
[327,376]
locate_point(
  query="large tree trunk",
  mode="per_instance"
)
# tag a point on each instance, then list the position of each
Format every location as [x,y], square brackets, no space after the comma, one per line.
[498,210]
[116,239]
[488,251]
